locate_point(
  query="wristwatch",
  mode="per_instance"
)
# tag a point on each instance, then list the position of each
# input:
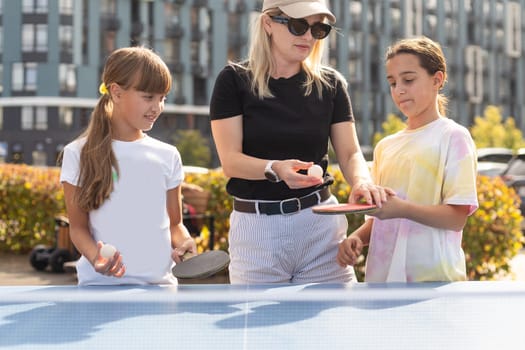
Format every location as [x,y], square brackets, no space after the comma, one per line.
[269,173]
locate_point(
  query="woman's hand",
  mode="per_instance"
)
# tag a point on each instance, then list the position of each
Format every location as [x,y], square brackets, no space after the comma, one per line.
[288,171]
[370,193]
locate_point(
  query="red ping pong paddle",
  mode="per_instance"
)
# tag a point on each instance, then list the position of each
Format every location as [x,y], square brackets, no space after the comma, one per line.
[202,265]
[344,208]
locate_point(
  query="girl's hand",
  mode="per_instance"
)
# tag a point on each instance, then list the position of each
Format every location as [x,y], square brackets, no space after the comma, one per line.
[112,266]
[349,251]
[187,247]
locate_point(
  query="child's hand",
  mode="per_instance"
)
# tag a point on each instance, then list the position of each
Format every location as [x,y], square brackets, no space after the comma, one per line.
[109,266]
[349,251]
[188,247]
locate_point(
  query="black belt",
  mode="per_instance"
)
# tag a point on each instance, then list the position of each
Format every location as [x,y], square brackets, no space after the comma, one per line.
[286,206]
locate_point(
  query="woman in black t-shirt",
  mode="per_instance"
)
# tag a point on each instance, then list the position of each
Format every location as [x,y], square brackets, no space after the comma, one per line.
[273,117]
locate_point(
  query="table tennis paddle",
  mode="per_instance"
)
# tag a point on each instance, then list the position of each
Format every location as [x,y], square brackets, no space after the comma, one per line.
[344,208]
[202,265]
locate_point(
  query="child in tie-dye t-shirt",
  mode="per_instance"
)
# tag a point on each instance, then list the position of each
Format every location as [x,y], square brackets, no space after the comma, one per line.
[431,165]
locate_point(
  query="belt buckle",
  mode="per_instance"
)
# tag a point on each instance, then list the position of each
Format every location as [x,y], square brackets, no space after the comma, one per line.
[290,200]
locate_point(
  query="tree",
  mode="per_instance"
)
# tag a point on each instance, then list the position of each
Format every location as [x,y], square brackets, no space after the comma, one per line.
[193,148]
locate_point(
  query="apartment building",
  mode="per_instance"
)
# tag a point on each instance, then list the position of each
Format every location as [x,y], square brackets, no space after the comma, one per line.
[52,53]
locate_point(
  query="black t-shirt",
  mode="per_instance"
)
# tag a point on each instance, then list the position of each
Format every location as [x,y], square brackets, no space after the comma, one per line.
[287,126]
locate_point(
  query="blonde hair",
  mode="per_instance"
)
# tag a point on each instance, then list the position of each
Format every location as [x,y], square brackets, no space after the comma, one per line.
[431,59]
[260,62]
[131,67]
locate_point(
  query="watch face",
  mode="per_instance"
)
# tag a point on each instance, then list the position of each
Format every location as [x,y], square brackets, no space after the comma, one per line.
[271,176]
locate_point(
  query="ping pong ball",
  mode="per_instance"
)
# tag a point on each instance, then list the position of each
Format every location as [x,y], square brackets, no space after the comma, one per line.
[315,170]
[107,251]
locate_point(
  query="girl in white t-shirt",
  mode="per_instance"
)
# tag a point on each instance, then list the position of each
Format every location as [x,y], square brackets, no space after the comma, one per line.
[431,165]
[123,187]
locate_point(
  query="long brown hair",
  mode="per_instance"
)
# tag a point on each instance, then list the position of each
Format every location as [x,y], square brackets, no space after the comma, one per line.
[131,67]
[431,59]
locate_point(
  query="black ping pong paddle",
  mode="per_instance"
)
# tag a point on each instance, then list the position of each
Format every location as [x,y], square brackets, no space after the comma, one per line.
[202,265]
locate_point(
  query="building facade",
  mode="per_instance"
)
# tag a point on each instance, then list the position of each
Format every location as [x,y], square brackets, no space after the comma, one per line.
[52,53]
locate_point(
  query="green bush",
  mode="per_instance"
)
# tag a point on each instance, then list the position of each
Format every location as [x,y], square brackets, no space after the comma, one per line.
[492,235]
[220,206]
[30,198]
[490,131]
[391,125]
[193,148]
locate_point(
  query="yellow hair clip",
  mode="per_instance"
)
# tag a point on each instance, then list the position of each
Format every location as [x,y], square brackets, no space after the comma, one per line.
[103,89]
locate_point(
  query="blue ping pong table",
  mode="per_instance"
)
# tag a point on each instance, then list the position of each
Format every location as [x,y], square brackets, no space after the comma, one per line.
[460,315]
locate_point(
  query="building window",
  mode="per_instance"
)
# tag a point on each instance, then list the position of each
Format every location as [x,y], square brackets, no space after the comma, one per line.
[67,77]
[414,18]
[34,118]
[65,7]
[34,38]
[28,37]
[28,6]
[24,76]
[474,77]
[34,6]
[41,118]
[65,36]
[27,118]
[65,118]
[39,155]
[108,6]
[513,30]
[1,118]
[41,38]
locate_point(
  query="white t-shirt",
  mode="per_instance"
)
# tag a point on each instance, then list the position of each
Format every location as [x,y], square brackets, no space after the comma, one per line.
[134,219]
[434,164]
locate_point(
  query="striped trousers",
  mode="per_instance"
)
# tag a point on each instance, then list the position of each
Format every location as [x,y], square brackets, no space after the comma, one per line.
[296,248]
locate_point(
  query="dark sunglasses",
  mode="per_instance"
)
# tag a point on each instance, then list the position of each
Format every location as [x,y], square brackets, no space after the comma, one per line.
[299,26]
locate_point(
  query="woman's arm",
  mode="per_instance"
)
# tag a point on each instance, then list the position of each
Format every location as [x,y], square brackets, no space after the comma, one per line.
[353,165]
[227,134]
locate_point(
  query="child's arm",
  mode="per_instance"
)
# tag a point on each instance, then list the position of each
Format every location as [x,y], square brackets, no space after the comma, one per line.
[444,216]
[350,248]
[83,240]
[181,240]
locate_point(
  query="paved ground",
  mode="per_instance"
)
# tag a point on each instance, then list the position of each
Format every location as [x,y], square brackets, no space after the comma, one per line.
[16,270]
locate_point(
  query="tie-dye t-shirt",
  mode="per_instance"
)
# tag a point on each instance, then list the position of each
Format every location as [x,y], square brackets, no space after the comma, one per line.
[435,164]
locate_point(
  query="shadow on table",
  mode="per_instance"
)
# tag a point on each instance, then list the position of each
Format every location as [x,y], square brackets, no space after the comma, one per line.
[270,313]
[57,322]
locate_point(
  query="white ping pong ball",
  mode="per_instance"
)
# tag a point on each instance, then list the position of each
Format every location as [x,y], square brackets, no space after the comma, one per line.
[315,170]
[107,251]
